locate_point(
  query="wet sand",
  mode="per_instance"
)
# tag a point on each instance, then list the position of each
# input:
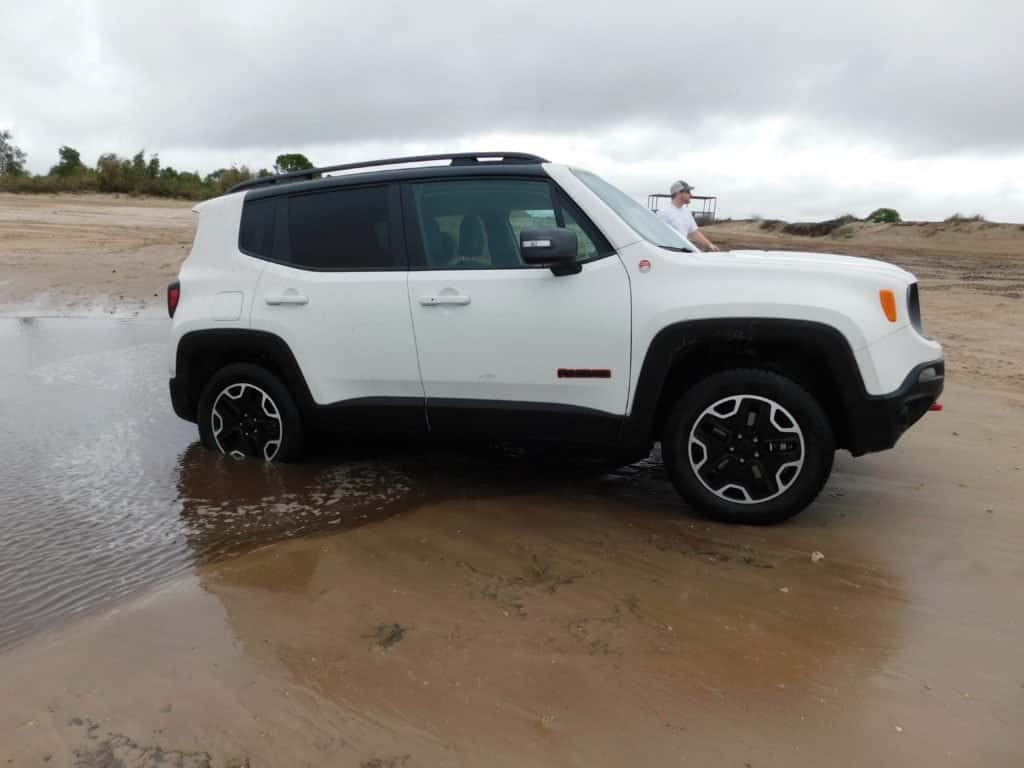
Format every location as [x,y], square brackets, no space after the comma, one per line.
[394,606]
[588,622]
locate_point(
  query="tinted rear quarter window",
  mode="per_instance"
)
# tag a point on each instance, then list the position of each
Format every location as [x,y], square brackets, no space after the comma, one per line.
[341,229]
[256,234]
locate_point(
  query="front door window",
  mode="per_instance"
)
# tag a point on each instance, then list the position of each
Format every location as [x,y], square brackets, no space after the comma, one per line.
[475,223]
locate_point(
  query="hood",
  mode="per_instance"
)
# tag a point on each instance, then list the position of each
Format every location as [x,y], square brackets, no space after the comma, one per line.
[818,262]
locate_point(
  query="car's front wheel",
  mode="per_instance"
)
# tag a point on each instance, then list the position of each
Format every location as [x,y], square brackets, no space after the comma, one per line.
[245,411]
[748,446]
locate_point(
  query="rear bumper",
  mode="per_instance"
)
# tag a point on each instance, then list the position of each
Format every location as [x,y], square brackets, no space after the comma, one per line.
[179,400]
[877,422]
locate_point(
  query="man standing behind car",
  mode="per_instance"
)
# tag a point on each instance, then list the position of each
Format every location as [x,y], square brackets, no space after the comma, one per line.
[678,216]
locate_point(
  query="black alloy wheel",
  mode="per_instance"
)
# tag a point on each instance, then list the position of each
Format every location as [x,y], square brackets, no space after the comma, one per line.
[748,446]
[246,412]
[245,421]
[746,449]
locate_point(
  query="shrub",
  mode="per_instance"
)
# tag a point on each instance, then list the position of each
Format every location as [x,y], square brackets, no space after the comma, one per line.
[70,163]
[289,163]
[820,228]
[958,218]
[884,216]
[129,176]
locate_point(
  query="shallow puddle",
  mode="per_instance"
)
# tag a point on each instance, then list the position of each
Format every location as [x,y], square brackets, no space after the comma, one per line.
[103,490]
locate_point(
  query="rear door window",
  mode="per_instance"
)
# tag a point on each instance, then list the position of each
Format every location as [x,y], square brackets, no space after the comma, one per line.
[342,229]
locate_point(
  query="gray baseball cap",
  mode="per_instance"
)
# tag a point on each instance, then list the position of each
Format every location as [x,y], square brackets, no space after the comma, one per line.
[680,186]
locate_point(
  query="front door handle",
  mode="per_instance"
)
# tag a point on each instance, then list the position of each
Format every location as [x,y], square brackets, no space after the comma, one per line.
[291,296]
[457,299]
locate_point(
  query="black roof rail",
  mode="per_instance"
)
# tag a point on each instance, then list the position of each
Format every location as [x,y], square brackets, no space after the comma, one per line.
[456,158]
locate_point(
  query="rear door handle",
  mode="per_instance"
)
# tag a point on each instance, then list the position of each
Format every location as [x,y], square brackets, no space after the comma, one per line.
[445,298]
[291,296]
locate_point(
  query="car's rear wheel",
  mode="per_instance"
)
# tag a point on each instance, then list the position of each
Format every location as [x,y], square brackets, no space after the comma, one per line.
[748,446]
[246,412]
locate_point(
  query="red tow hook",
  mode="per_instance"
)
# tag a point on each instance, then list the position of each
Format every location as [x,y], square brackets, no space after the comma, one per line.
[935,407]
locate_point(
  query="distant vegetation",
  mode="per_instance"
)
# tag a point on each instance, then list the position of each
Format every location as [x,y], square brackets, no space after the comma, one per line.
[818,228]
[12,159]
[842,226]
[836,227]
[291,163]
[884,216]
[137,175]
[142,175]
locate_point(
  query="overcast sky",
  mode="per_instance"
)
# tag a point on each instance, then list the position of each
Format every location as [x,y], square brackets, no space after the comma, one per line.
[789,108]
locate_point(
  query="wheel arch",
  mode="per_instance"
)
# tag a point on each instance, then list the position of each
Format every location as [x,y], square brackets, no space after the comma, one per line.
[815,355]
[202,353]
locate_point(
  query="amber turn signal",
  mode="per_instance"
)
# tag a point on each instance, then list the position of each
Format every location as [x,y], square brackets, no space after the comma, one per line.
[888,299]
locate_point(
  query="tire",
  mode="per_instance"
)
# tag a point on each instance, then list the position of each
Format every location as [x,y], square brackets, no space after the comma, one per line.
[246,412]
[723,472]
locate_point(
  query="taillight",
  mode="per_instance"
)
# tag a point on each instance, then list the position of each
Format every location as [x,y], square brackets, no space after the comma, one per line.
[173,294]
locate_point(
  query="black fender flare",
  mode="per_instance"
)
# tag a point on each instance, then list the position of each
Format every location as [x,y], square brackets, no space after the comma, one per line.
[234,345]
[675,342]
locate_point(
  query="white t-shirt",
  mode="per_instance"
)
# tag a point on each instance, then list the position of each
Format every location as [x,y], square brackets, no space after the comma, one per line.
[679,219]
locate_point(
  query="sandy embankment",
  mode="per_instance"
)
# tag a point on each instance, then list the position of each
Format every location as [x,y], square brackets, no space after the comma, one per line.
[89,254]
[589,622]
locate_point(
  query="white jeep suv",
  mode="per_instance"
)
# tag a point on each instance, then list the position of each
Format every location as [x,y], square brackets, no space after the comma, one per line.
[506,297]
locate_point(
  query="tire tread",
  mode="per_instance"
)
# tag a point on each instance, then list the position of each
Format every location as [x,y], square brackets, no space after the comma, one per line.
[814,424]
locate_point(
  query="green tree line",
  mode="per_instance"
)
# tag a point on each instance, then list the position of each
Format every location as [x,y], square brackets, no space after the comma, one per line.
[135,175]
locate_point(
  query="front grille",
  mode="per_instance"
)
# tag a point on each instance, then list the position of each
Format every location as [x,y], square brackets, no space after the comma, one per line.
[914,308]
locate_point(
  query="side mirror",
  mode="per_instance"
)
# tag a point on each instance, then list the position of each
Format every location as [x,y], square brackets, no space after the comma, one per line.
[553,247]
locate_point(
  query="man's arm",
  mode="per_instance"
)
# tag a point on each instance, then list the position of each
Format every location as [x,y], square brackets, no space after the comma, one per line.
[702,241]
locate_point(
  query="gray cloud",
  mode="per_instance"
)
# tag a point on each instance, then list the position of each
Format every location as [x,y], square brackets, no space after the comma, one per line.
[934,75]
[917,77]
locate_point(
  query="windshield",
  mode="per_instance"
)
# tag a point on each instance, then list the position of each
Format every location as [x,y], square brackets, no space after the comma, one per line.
[646,224]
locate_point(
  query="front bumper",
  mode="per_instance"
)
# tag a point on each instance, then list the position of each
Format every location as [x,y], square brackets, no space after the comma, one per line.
[877,422]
